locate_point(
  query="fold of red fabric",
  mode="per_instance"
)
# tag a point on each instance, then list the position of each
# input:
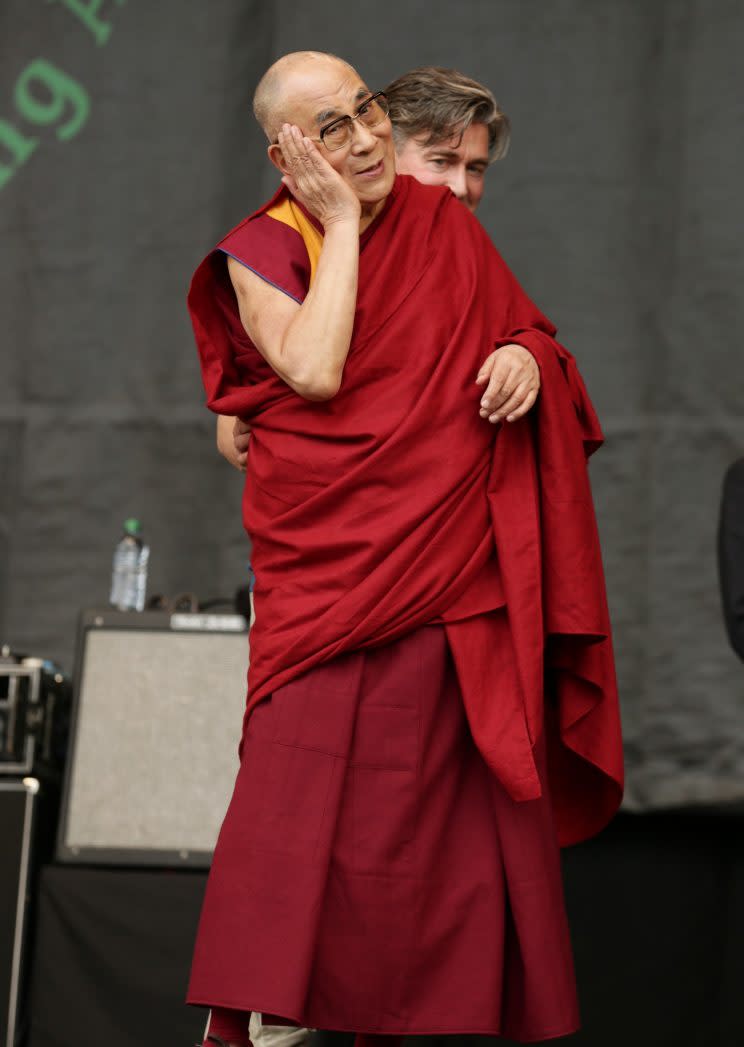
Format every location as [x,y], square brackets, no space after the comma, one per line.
[555,644]
[380,510]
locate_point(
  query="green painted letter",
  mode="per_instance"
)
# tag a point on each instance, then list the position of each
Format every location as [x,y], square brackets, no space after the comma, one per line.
[87,12]
[18,146]
[59,93]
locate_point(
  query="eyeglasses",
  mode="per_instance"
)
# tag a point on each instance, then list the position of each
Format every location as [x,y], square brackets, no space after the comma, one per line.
[371,112]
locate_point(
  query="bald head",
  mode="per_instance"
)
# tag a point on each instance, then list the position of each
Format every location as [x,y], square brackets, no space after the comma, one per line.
[312,92]
[272,100]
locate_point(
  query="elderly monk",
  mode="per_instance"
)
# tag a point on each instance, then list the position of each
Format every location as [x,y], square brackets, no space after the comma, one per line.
[448,129]
[432,705]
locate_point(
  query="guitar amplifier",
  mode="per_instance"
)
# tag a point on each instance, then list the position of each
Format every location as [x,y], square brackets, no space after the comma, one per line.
[158,702]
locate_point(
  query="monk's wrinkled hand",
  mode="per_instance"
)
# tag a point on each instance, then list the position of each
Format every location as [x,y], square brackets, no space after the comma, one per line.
[314,182]
[513,382]
[241,439]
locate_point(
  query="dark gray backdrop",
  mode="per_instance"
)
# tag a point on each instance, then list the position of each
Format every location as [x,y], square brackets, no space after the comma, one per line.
[617,207]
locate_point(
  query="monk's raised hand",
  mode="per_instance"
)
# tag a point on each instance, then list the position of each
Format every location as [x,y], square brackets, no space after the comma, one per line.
[314,182]
[513,382]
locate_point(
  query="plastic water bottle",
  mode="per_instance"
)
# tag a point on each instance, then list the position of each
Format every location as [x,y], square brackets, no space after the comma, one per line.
[129,573]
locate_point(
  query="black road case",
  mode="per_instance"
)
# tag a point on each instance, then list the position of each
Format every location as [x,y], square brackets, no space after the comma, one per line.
[18,804]
[34,717]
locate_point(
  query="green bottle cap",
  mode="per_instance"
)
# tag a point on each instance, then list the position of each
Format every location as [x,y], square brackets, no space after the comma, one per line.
[132,526]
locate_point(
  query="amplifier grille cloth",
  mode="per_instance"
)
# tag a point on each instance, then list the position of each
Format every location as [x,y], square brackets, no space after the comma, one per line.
[159,721]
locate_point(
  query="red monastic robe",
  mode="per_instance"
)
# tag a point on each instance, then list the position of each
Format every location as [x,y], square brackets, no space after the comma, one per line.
[394,504]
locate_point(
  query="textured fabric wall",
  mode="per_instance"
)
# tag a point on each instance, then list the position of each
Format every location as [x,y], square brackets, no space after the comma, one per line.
[617,208]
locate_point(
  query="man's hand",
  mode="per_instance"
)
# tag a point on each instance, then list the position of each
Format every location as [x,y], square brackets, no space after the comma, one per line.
[513,379]
[314,182]
[228,431]
[241,439]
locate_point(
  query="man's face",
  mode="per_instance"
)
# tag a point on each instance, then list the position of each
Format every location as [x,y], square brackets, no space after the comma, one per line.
[319,94]
[459,162]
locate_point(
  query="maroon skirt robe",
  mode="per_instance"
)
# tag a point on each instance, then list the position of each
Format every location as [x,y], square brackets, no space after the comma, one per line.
[371,874]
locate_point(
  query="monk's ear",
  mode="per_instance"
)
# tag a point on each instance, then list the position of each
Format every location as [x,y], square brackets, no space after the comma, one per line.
[277,158]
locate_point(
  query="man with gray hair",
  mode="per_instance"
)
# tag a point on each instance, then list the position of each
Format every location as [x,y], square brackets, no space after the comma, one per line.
[447,129]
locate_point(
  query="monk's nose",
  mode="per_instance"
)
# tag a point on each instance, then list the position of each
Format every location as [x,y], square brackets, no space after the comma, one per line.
[363,139]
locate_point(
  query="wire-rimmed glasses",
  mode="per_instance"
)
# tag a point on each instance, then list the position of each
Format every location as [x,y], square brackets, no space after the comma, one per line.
[339,132]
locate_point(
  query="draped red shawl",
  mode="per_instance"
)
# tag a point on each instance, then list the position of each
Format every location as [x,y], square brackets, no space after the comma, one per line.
[385,508]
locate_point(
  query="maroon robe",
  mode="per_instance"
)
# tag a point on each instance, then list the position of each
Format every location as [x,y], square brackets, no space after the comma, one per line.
[431,637]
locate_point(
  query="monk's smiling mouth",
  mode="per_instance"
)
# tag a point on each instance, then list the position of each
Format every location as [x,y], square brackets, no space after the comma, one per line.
[374,171]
